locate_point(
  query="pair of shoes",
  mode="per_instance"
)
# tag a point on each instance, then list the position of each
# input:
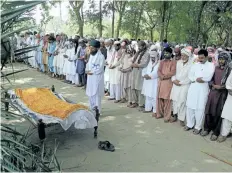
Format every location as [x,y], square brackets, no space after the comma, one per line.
[134,105]
[106,145]
[221,138]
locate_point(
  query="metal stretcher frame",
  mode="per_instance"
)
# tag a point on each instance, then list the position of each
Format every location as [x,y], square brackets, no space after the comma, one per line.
[35,123]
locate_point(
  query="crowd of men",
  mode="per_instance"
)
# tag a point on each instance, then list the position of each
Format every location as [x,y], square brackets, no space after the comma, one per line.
[181,82]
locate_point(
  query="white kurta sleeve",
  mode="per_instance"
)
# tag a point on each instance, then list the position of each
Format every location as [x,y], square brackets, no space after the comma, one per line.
[144,71]
[229,82]
[154,73]
[191,74]
[210,73]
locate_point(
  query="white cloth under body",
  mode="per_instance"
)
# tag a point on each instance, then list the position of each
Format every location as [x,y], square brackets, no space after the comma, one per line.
[82,119]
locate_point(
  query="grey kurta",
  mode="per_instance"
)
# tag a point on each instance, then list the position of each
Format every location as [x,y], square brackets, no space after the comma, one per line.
[136,74]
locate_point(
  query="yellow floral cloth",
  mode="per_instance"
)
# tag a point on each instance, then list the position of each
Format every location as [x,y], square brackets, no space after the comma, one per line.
[43,101]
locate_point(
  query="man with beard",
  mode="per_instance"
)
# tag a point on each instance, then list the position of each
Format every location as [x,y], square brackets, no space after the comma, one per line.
[216,98]
[150,84]
[140,61]
[80,64]
[177,54]
[166,71]
[115,90]
[110,51]
[95,72]
[200,74]
[125,69]
[180,87]
[226,112]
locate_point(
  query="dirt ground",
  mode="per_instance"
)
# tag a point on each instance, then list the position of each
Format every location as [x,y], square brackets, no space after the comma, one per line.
[142,142]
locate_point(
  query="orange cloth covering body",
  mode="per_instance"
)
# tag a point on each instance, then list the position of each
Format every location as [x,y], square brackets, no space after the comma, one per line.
[43,101]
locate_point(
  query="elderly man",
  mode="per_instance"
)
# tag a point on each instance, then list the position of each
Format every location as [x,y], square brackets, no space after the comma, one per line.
[125,79]
[181,85]
[150,84]
[226,113]
[115,90]
[167,69]
[140,61]
[110,52]
[200,74]
[216,98]
[95,72]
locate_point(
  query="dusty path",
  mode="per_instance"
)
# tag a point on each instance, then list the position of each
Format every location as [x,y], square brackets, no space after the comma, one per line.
[142,142]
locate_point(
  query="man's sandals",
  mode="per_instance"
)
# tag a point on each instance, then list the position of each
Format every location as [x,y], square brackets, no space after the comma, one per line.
[106,145]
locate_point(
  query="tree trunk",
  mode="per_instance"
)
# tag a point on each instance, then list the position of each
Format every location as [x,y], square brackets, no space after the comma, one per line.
[203,3]
[151,35]
[138,23]
[163,20]
[121,12]
[100,18]
[60,11]
[168,20]
[76,8]
[112,32]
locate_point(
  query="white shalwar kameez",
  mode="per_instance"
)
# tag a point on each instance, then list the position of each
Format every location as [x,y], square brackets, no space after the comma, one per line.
[179,93]
[70,68]
[198,93]
[107,75]
[115,89]
[95,82]
[226,112]
[60,60]
[150,86]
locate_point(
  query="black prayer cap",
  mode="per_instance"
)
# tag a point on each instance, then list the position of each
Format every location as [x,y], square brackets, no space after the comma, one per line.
[95,43]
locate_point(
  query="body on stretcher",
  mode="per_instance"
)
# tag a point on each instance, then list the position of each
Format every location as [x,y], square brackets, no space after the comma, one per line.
[53,109]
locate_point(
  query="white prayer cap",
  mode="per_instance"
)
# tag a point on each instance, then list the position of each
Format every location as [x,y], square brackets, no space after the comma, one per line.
[117,42]
[186,52]
[153,47]
[101,40]
[133,42]
[220,49]
[177,46]
[108,41]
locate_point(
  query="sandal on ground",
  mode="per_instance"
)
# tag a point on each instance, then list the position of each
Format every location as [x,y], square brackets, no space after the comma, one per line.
[111,98]
[182,123]
[166,121]
[116,101]
[123,101]
[106,145]
[154,115]
[196,132]
[134,105]
[186,128]
[221,138]
[173,119]
[141,109]
[213,137]
[204,133]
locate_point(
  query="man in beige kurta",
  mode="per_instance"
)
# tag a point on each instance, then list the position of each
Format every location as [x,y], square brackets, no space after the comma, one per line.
[140,61]
[181,84]
[125,68]
[166,70]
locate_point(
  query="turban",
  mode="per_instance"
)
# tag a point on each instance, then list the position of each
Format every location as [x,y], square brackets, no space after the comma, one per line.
[225,55]
[186,52]
[95,43]
[154,53]
[117,42]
